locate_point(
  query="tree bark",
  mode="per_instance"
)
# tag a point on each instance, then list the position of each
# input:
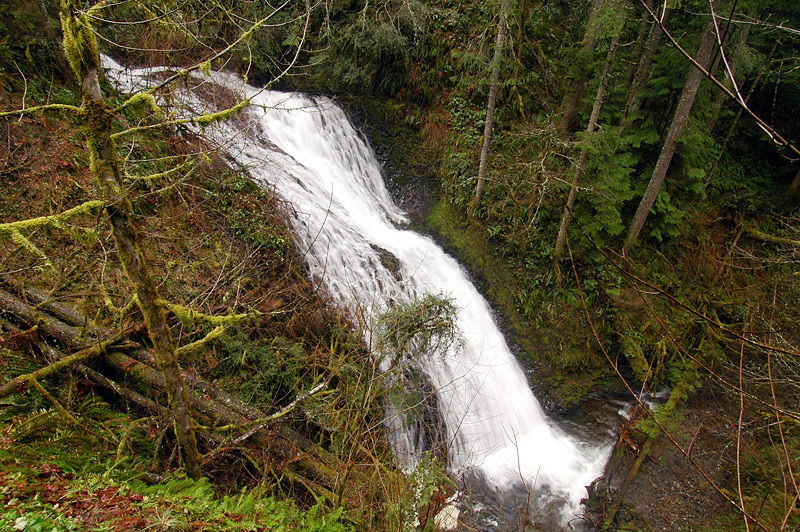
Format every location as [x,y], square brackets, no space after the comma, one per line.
[487,130]
[581,72]
[679,120]
[634,97]
[741,41]
[573,191]
[81,49]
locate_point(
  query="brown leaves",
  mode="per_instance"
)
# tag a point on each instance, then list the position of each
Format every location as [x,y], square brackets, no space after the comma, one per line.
[117,510]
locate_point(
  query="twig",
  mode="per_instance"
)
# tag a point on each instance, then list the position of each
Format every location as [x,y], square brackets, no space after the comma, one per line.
[739,439]
[652,416]
[769,130]
[277,415]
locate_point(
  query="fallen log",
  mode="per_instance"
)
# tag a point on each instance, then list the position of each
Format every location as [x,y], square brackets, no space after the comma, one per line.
[45,302]
[125,392]
[68,336]
[288,447]
[293,455]
[772,239]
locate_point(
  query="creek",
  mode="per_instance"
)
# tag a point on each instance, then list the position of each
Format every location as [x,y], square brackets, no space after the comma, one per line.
[360,253]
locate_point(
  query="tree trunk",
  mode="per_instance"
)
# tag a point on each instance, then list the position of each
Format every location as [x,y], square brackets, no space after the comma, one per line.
[679,120]
[634,97]
[487,130]
[81,49]
[738,50]
[795,183]
[598,102]
[735,121]
[581,72]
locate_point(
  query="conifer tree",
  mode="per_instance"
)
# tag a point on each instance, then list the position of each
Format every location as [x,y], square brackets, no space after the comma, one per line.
[679,120]
[487,130]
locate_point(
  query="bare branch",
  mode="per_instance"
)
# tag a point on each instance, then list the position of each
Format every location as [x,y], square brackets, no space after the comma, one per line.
[652,416]
[769,130]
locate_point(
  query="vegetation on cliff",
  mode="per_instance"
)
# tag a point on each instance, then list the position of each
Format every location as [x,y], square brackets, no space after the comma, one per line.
[675,268]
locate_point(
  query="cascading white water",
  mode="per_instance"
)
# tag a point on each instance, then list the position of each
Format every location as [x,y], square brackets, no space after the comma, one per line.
[307,149]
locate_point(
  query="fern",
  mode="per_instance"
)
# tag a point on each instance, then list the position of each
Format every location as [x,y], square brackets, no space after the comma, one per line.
[40,421]
[245,511]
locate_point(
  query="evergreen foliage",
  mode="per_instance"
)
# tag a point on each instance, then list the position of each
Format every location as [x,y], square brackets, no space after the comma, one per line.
[724,188]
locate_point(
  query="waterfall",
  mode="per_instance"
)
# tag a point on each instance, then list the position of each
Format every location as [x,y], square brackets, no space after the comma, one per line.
[306,149]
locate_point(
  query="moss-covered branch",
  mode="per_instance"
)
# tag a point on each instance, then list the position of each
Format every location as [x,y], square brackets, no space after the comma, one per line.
[13,230]
[188,166]
[54,220]
[17,383]
[188,349]
[41,109]
[772,239]
[189,316]
[202,120]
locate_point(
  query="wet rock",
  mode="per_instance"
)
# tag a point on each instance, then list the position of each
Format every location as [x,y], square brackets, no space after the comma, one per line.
[389,261]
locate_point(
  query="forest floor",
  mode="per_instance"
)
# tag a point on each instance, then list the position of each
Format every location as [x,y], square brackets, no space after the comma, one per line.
[669,493]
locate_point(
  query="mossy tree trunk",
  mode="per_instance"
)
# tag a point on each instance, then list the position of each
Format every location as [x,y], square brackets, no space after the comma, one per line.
[81,50]
[487,130]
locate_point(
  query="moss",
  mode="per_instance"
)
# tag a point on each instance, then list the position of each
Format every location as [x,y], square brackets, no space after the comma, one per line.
[55,221]
[186,167]
[189,316]
[98,119]
[26,244]
[80,43]
[144,99]
[13,230]
[193,347]
[208,119]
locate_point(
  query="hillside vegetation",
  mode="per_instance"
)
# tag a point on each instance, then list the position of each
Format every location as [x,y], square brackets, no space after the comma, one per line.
[672,268]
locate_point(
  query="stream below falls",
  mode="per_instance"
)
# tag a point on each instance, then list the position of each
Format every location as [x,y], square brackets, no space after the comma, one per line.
[509,455]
